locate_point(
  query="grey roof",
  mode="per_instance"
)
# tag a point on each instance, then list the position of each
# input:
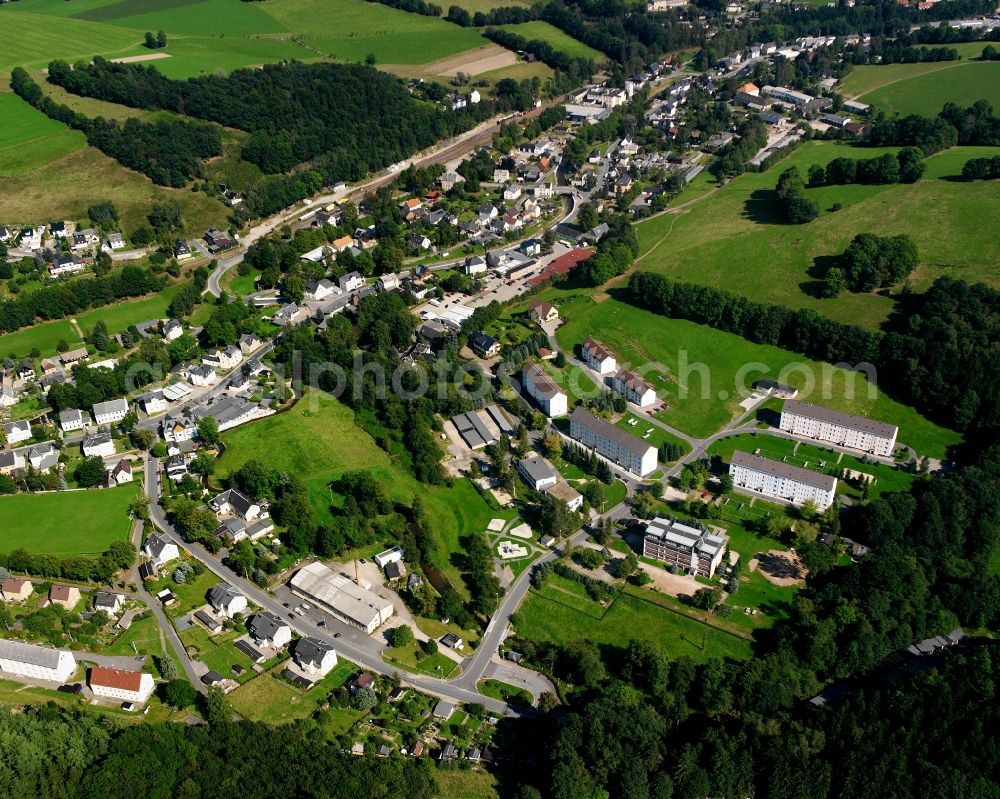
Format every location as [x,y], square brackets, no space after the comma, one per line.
[31,654]
[263,626]
[71,415]
[473,429]
[821,414]
[97,439]
[239,503]
[783,470]
[311,650]
[8,459]
[23,424]
[537,469]
[686,537]
[249,649]
[500,418]
[481,341]
[105,599]
[156,544]
[624,439]
[207,619]
[220,595]
[112,406]
[544,384]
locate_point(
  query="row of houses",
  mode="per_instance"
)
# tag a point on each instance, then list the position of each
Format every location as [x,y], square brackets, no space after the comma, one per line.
[630,385]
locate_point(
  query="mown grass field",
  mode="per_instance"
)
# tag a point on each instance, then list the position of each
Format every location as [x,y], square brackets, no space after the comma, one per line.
[65,523]
[717,369]
[924,88]
[45,337]
[562,612]
[29,139]
[735,239]
[559,40]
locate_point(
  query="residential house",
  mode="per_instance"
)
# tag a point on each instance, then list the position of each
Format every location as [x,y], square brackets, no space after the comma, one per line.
[633,388]
[352,281]
[290,315]
[544,390]
[537,472]
[202,375]
[449,180]
[531,248]
[153,402]
[66,264]
[475,265]
[781,480]
[249,342]
[388,282]
[232,503]
[107,602]
[99,445]
[409,208]
[181,250]
[613,443]
[836,427]
[16,589]
[73,356]
[511,192]
[176,467]
[320,290]
[120,473]
[60,230]
[225,358]
[218,241]
[418,242]
[172,329]
[267,629]
[25,370]
[121,684]
[688,546]
[597,356]
[16,432]
[483,345]
[226,601]
[114,242]
[31,238]
[179,428]
[314,657]
[160,550]
[776,389]
[66,596]
[70,420]
[501,175]
[540,311]
[111,412]
[567,495]
[36,662]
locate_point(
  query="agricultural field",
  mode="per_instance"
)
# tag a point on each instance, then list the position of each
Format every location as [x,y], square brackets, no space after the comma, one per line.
[562,612]
[555,37]
[65,522]
[924,88]
[29,139]
[734,239]
[717,369]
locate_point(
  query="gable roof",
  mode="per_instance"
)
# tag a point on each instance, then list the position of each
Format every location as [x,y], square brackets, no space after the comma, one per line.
[264,625]
[116,678]
[30,654]
[311,650]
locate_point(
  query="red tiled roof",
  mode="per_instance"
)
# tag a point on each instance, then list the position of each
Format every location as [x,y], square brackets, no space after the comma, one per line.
[13,585]
[59,593]
[561,265]
[116,678]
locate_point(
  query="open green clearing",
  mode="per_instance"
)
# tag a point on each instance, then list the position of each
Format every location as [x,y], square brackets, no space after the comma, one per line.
[45,337]
[412,658]
[657,438]
[809,456]
[924,88]
[559,40]
[29,139]
[734,240]
[274,700]
[561,612]
[505,692]
[710,362]
[318,440]
[66,522]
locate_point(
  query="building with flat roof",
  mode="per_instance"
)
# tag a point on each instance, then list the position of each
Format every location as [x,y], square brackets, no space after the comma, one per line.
[537,472]
[688,546]
[544,390]
[473,430]
[782,480]
[825,424]
[613,443]
[37,662]
[342,597]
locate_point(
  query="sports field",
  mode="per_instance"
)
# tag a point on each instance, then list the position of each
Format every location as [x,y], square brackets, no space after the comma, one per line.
[559,40]
[924,88]
[66,522]
[716,370]
[735,240]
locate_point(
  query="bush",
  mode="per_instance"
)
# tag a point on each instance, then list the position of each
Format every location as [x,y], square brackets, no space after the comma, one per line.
[179,693]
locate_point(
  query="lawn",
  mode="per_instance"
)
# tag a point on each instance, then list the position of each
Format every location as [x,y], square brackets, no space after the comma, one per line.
[44,337]
[505,692]
[542,618]
[718,367]
[924,88]
[469,784]
[657,436]
[734,239]
[190,595]
[217,651]
[119,317]
[412,658]
[270,698]
[29,139]
[66,522]
[560,41]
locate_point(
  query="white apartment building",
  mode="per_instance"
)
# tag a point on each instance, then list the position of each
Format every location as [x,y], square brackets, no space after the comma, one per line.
[598,357]
[824,424]
[782,480]
[110,412]
[544,390]
[613,443]
[38,662]
[688,546]
[122,685]
[633,388]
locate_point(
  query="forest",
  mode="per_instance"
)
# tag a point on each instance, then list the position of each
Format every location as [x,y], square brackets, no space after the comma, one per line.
[938,353]
[972,126]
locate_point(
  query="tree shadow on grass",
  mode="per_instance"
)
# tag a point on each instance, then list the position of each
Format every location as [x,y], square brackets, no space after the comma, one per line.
[762,208]
[820,266]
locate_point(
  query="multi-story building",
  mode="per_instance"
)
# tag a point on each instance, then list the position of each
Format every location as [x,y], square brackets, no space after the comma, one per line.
[688,546]
[824,424]
[613,443]
[598,357]
[544,390]
[782,480]
[110,412]
[633,388]
[38,662]
[126,686]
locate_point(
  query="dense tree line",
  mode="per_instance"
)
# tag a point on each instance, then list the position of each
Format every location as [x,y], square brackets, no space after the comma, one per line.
[101,568]
[982,168]
[60,300]
[616,251]
[751,138]
[906,166]
[168,151]
[790,192]
[582,68]
[975,125]
[503,15]
[413,6]
[938,353]
[51,752]
[871,262]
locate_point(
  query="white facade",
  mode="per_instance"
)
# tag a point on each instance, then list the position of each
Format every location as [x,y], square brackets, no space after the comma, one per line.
[598,357]
[36,662]
[70,420]
[121,685]
[782,481]
[633,388]
[613,443]
[545,391]
[110,412]
[392,555]
[100,446]
[16,432]
[342,597]
[824,424]
[203,375]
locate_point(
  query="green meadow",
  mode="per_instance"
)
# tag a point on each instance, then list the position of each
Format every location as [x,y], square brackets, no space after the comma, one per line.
[710,371]
[29,139]
[559,40]
[735,239]
[924,88]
